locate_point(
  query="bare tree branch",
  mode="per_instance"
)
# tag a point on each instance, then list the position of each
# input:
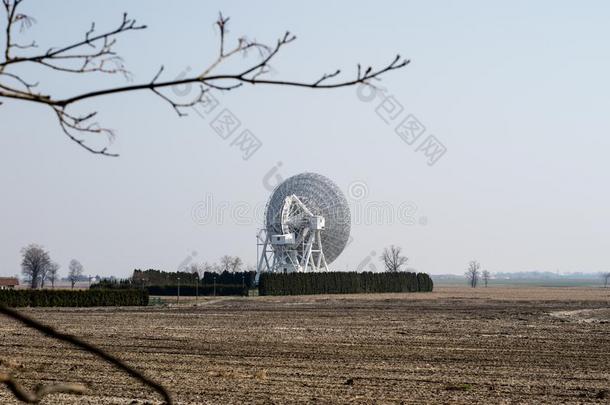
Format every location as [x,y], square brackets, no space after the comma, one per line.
[239,77]
[107,38]
[95,54]
[28,86]
[72,125]
[34,397]
[49,331]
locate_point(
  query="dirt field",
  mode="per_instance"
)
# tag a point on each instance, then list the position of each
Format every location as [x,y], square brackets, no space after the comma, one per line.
[495,345]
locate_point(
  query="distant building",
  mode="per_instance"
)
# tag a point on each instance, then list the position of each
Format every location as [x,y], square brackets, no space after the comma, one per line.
[8,283]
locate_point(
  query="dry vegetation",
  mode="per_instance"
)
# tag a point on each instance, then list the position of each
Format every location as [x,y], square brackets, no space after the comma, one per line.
[455,345]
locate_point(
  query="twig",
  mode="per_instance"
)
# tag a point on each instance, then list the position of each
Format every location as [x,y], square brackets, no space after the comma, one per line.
[95,54]
[240,77]
[126,25]
[34,397]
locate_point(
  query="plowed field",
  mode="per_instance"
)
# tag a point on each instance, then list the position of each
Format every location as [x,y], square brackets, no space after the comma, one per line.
[494,345]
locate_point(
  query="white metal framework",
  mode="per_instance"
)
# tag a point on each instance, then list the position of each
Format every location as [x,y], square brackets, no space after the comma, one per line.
[307,225]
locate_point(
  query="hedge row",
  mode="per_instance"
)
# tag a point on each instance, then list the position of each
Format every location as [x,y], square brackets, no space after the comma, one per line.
[152,277]
[247,278]
[73,298]
[189,290]
[338,282]
[160,277]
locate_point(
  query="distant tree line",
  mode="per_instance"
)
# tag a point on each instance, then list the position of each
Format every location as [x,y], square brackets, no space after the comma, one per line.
[159,277]
[73,298]
[241,278]
[165,278]
[159,282]
[339,282]
[232,264]
[227,283]
[38,268]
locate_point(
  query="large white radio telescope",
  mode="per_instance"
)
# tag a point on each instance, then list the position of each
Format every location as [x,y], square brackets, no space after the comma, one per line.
[307,224]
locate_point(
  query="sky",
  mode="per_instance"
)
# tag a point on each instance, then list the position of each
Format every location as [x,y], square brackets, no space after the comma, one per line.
[514,93]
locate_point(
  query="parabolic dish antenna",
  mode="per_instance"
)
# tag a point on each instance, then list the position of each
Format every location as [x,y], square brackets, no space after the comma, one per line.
[307,225]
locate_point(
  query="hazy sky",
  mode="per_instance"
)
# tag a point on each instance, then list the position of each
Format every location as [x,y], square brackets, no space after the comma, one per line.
[517,92]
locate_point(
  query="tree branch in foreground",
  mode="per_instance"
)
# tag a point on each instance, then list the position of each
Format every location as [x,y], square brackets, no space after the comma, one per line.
[36,396]
[94,53]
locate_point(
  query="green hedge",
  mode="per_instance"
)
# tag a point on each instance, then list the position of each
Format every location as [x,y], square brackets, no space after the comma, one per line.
[73,298]
[339,282]
[152,277]
[189,290]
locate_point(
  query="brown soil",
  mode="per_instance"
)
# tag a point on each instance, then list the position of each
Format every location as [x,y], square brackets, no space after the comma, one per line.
[494,345]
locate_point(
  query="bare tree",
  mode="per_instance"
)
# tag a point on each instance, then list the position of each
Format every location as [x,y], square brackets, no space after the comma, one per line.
[226,263]
[486,276]
[95,53]
[606,278]
[44,274]
[75,271]
[197,268]
[215,268]
[236,264]
[34,264]
[209,267]
[50,274]
[392,259]
[472,273]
